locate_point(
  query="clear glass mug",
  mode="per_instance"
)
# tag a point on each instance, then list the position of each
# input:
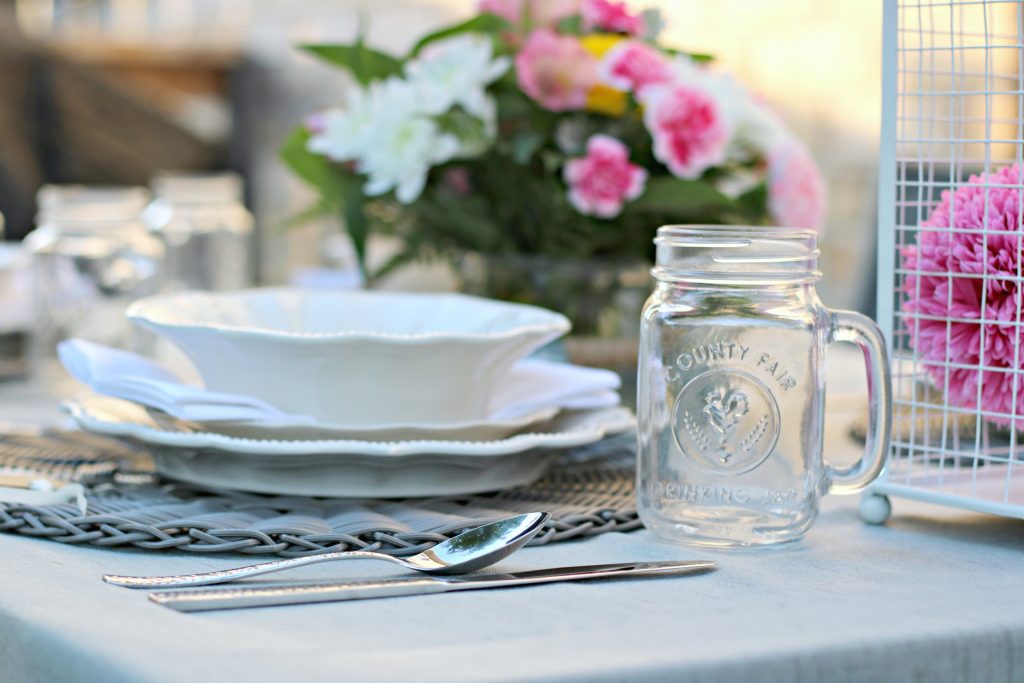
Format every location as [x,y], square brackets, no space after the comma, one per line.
[731,388]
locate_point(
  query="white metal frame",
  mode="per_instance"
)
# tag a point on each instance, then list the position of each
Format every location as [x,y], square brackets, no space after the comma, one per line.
[931,51]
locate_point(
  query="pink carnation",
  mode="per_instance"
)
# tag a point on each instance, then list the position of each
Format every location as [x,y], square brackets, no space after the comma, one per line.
[540,12]
[602,181]
[690,134]
[933,291]
[796,190]
[555,70]
[611,16]
[632,66]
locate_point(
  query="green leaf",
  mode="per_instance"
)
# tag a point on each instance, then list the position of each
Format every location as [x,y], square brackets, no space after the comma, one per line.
[365,64]
[356,222]
[572,25]
[524,144]
[318,210]
[482,23]
[470,131]
[673,195]
[695,56]
[754,202]
[405,256]
[319,171]
[339,189]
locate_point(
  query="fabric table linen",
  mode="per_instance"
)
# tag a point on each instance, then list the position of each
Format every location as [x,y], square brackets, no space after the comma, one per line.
[934,596]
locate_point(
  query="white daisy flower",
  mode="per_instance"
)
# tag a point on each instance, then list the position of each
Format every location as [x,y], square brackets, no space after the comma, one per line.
[401,144]
[457,71]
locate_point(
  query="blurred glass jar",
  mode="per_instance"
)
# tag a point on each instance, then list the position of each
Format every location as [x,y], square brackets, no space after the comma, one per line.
[91,256]
[15,308]
[205,228]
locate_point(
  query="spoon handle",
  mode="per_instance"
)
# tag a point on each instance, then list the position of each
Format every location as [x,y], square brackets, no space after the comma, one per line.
[227,575]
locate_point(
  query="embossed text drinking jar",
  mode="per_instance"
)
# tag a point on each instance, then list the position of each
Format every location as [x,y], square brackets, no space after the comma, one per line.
[732,388]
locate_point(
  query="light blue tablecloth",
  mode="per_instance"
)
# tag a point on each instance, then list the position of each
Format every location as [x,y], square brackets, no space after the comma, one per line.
[936,596]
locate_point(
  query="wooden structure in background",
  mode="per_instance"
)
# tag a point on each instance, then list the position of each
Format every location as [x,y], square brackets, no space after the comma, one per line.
[86,112]
[121,115]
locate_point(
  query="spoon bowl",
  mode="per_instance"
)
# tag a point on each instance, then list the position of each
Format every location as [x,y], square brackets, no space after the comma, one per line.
[469,551]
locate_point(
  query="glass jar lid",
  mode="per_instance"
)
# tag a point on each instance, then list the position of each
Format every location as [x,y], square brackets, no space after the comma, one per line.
[198,188]
[90,204]
[734,255]
[194,203]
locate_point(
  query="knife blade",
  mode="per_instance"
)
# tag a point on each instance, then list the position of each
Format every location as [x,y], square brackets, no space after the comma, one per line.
[200,600]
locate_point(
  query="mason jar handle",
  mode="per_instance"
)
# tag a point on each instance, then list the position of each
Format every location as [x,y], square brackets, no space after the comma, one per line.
[848,326]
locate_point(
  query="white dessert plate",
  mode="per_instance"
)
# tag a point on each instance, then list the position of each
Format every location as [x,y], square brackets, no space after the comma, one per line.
[351,357]
[346,468]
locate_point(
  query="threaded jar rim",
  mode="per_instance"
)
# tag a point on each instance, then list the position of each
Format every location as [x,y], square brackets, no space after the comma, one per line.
[736,255]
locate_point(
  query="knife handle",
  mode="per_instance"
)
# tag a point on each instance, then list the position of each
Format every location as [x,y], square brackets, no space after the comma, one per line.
[296,594]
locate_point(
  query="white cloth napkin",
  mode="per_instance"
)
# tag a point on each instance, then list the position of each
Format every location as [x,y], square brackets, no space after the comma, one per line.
[533,385]
[529,387]
[129,376]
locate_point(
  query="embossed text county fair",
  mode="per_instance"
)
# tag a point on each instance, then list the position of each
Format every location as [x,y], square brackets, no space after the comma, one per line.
[704,354]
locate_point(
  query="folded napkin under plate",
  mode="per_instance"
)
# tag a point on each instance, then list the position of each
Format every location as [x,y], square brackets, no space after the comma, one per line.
[532,391]
[129,376]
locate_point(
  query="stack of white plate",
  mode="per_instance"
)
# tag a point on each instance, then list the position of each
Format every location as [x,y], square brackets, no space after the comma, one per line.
[379,394]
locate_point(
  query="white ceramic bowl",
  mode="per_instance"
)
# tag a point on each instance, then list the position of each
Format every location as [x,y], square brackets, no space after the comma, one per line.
[360,358]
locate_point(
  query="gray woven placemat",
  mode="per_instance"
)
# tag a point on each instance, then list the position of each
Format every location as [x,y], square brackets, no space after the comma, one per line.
[588,491]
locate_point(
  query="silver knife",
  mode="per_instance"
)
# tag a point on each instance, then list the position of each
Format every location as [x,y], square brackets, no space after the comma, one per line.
[266,596]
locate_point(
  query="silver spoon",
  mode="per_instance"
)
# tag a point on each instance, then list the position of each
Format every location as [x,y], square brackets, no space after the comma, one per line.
[467,552]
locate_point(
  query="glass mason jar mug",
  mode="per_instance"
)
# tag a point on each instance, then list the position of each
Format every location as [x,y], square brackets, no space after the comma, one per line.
[732,389]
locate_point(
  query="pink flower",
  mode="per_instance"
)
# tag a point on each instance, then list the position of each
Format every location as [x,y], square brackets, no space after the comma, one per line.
[555,70]
[690,134]
[796,190]
[457,180]
[510,10]
[539,12]
[947,290]
[632,66]
[604,179]
[611,16]
[550,12]
[316,122]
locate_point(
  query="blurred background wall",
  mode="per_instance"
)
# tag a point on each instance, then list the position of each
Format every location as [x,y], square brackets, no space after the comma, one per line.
[109,91]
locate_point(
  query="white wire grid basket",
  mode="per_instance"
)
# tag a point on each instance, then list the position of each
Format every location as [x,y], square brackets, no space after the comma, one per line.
[953,122]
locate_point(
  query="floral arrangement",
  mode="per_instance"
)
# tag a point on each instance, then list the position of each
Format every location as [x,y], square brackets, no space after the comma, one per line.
[964,268]
[552,127]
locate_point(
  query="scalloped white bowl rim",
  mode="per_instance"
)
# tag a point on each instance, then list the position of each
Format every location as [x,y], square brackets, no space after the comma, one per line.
[158,312]
[359,358]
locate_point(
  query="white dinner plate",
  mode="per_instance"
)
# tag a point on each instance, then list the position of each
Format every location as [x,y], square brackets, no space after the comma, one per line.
[345,467]
[474,430]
